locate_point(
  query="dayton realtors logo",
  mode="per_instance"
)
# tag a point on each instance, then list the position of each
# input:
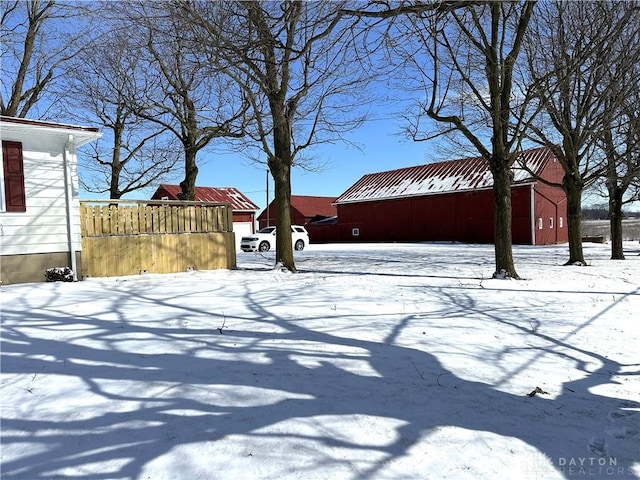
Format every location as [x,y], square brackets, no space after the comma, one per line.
[594,467]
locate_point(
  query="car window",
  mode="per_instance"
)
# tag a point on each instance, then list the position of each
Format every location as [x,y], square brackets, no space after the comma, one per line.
[266,230]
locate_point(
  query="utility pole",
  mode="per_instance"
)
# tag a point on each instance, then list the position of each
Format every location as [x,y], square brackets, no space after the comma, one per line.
[268,197]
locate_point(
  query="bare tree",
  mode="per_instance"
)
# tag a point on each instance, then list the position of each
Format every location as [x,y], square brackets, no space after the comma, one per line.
[38,38]
[130,162]
[103,87]
[575,63]
[193,101]
[465,54]
[620,143]
[297,71]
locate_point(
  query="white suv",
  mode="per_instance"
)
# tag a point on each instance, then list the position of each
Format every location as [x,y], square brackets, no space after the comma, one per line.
[265,239]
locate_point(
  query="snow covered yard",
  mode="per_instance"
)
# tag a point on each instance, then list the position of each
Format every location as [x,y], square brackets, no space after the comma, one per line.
[380,361]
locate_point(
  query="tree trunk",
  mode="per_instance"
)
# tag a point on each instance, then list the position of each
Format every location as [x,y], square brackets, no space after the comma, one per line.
[573,190]
[114,183]
[505,267]
[116,165]
[280,168]
[284,248]
[615,221]
[188,185]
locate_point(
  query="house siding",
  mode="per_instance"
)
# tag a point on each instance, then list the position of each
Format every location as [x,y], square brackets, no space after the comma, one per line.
[37,239]
[43,226]
[32,267]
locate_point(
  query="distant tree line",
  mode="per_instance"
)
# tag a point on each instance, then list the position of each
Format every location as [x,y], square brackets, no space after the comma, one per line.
[601,212]
[168,80]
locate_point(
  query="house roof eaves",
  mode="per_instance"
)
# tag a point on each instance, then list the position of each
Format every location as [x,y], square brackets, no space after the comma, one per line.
[81,135]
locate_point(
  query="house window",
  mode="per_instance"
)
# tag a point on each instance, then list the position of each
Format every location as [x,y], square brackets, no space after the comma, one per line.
[13,177]
[539,223]
[550,222]
[560,222]
[355,232]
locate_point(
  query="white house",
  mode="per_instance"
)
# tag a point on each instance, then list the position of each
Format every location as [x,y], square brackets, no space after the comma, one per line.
[39,206]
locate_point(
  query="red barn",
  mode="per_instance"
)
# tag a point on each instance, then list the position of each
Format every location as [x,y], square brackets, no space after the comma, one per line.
[453,201]
[304,209]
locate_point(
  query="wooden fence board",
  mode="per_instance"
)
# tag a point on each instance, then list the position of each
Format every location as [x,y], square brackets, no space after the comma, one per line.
[135,226]
[97,220]
[163,253]
[162,220]
[141,222]
[190,222]
[125,239]
[83,220]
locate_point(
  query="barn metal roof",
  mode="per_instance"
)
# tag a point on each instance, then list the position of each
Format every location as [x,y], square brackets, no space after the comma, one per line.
[239,202]
[443,177]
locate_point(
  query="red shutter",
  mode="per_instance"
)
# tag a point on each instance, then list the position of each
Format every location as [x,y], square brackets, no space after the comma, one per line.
[13,177]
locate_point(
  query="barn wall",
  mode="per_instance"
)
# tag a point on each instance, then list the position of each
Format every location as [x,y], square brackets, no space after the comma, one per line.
[521,215]
[267,217]
[550,215]
[464,217]
[553,172]
[538,210]
[297,217]
[243,217]
[550,207]
[161,193]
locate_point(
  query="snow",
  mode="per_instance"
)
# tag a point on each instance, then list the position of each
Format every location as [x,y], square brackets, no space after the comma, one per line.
[374,361]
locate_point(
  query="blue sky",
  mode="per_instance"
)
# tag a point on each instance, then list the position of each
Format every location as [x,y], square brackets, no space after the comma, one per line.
[382,147]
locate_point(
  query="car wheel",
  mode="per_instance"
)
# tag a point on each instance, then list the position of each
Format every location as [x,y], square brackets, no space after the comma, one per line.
[264,246]
[299,245]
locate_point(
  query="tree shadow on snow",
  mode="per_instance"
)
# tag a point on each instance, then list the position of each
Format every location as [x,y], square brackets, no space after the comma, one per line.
[189,386]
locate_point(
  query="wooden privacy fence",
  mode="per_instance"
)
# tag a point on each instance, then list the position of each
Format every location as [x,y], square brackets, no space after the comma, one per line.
[130,237]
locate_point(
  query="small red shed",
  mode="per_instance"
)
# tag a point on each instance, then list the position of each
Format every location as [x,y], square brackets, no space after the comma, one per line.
[453,201]
[244,210]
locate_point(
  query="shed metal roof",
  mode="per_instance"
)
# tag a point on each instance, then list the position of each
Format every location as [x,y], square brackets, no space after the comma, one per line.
[239,202]
[443,177]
